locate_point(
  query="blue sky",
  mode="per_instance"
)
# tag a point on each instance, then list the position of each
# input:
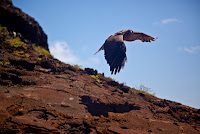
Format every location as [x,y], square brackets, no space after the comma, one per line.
[170,66]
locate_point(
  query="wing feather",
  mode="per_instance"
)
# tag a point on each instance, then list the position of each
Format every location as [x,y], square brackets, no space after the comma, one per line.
[115,55]
[138,36]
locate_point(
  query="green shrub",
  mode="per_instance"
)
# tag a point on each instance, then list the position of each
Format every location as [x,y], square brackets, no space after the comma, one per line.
[142,89]
[41,50]
[20,54]
[3,30]
[3,63]
[16,42]
[145,90]
[111,78]
[77,66]
[39,58]
[57,64]
[96,77]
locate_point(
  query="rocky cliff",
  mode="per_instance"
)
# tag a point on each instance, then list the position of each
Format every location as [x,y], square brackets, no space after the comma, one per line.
[40,94]
[17,21]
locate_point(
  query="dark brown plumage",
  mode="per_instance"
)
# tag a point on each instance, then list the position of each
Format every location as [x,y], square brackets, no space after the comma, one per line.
[115,49]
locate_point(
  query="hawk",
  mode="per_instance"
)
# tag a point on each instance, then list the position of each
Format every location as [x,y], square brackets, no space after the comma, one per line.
[115,49]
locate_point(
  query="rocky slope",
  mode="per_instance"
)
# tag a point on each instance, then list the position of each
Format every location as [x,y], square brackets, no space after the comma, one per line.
[40,94]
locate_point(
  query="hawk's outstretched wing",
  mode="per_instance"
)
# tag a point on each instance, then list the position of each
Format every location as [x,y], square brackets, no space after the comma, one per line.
[138,36]
[115,49]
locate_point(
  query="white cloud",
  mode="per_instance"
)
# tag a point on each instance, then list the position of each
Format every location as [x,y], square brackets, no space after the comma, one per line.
[192,49]
[62,51]
[167,21]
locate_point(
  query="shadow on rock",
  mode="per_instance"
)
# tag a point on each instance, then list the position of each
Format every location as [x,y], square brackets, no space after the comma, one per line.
[97,109]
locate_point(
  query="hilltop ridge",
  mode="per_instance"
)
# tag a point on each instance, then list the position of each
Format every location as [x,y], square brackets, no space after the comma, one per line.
[16,20]
[40,94]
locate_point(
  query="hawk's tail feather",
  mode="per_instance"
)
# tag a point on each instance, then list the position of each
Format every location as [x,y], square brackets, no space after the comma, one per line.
[102,48]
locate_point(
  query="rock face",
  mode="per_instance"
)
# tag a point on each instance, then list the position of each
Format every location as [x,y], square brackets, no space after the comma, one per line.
[16,20]
[40,94]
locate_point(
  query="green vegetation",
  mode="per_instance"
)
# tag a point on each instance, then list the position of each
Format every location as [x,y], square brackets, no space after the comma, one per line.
[3,63]
[57,64]
[77,66]
[41,50]
[16,42]
[20,54]
[146,90]
[39,58]
[143,89]
[26,40]
[3,30]
[111,78]
[96,77]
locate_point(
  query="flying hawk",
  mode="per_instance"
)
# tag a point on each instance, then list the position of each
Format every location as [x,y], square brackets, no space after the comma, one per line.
[115,49]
